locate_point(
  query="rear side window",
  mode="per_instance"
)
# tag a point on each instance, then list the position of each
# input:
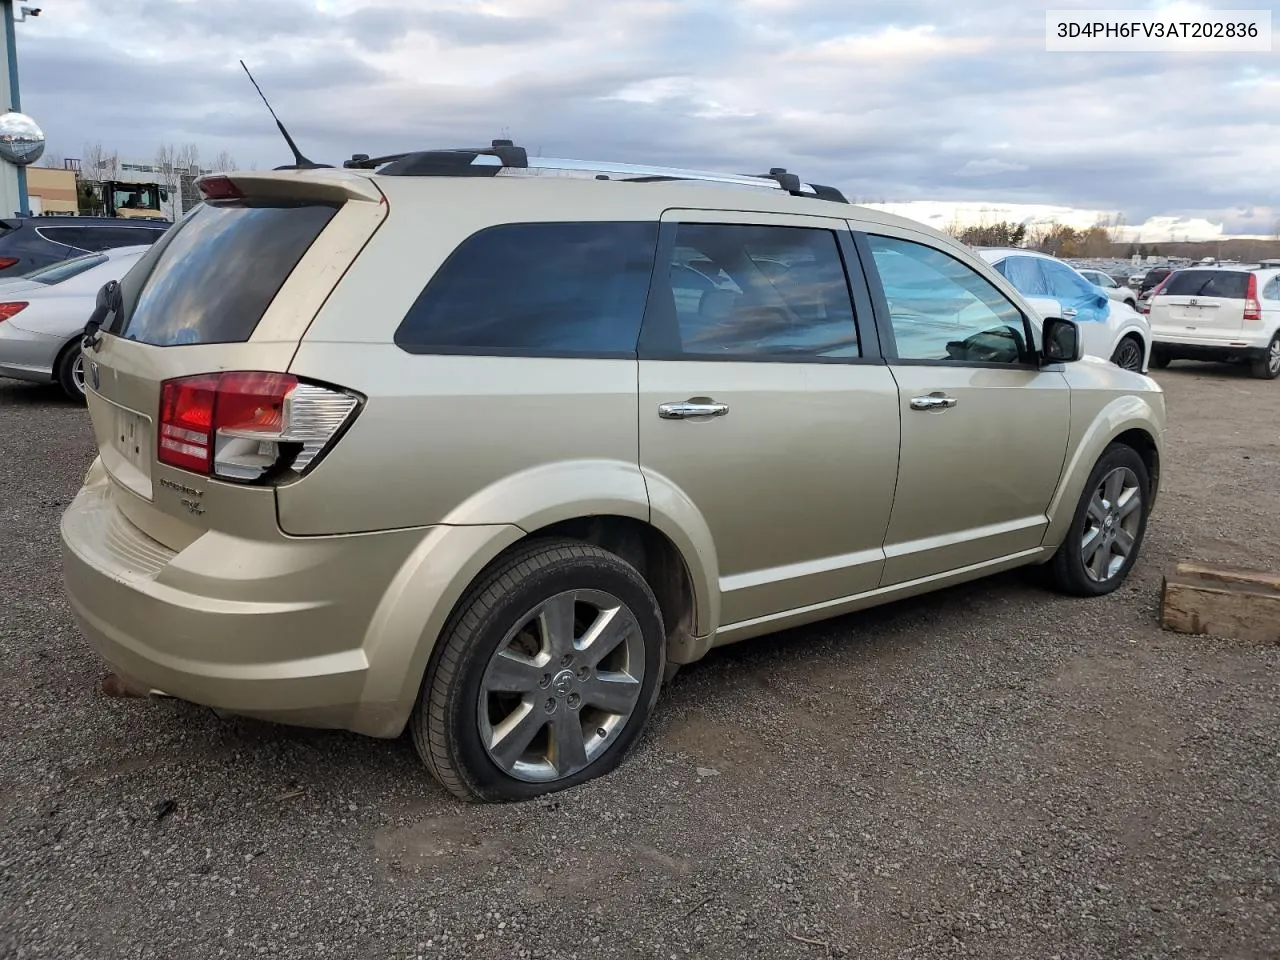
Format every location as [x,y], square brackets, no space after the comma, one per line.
[520,289]
[67,236]
[217,272]
[1272,290]
[1228,284]
[108,238]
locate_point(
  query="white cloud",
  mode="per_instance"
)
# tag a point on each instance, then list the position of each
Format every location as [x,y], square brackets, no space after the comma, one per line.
[988,167]
[940,100]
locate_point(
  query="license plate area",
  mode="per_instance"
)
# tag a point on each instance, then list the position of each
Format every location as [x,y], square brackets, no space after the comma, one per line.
[125,441]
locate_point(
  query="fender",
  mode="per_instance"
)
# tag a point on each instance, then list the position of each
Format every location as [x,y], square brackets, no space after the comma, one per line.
[412,613]
[1116,416]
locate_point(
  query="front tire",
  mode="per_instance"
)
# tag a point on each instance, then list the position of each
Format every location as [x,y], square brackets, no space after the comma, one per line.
[544,676]
[69,371]
[1267,367]
[1128,355]
[1108,526]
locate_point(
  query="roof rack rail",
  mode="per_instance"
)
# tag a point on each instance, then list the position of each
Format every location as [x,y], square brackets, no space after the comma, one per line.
[503,154]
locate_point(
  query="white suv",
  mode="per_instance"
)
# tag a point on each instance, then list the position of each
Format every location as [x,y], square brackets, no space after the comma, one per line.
[1109,328]
[1218,313]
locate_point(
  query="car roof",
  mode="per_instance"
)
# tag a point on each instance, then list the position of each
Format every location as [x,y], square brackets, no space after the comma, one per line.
[77,221]
[992,254]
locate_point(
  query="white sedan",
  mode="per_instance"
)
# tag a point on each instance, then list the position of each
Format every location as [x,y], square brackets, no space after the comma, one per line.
[42,317]
[1109,329]
[1115,291]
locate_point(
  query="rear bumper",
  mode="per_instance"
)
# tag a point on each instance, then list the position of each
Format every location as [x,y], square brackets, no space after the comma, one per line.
[280,629]
[1229,345]
[27,356]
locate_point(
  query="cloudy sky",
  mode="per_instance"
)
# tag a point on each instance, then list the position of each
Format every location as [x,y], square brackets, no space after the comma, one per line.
[902,100]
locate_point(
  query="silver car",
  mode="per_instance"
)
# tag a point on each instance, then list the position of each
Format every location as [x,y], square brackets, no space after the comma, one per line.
[43,313]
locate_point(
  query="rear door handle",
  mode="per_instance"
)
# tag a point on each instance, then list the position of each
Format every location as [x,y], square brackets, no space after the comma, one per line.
[935,401]
[690,409]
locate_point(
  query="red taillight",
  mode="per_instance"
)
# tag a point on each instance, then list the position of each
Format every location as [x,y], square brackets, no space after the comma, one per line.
[7,262]
[244,424]
[7,310]
[219,188]
[1252,306]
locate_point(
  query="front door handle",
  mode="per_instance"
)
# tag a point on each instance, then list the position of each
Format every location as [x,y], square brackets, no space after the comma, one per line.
[1069,312]
[690,409]
[935,401]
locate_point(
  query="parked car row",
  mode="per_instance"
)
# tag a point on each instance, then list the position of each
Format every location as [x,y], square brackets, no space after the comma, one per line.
[43,313]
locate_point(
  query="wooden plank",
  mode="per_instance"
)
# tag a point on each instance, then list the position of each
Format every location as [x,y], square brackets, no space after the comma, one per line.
[1222,601]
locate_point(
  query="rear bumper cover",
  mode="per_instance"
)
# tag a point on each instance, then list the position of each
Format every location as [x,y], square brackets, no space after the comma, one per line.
[290,643]
[1228,343]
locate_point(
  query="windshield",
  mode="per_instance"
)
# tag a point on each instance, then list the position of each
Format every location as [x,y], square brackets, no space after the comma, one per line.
[212,276]
[65,269]
[1228,284]
[136,196]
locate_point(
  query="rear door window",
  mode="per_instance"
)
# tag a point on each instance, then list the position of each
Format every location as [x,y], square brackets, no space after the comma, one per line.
[215,274]
[1227,284]
[537,289]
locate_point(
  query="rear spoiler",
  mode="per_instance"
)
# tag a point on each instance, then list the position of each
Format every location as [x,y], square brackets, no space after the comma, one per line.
[324,186]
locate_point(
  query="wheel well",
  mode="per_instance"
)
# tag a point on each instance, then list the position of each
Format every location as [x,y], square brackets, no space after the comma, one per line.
[1141,443]
[648,550]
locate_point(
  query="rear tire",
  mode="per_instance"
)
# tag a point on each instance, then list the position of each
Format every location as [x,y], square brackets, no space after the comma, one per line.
[69,371]
[1267,367]
[1107,529]
[512,705]
[1159,358]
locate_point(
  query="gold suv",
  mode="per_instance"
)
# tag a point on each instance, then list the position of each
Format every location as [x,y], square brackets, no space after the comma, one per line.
[485,446]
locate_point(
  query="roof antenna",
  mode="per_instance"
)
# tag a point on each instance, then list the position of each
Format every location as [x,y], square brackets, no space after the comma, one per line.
[299,161]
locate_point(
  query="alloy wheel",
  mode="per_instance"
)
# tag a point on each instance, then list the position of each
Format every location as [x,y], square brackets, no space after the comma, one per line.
[1129,355]
[1111,524]
[1273,357]
[77,374]
[561,686]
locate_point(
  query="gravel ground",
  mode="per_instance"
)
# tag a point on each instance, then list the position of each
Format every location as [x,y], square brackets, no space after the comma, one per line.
[989,772]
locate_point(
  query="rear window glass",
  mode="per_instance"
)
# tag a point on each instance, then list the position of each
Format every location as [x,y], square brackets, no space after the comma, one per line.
[564,289]
[65,269]
[1228,284]
[213,276]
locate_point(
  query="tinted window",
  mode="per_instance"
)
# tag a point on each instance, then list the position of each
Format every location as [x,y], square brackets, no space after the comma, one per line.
[218,272]
[108,238]
[65,269]
[941,309]
[67,236]
[574,289]
[1025,275]
[1230,284]
[748,291]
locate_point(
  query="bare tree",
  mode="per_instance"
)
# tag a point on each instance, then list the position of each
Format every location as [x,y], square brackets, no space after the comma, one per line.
[52,160]
[1114,225]
[224,162]
[98,163]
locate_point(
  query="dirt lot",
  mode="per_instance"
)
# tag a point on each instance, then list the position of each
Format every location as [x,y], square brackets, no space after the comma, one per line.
[990,772]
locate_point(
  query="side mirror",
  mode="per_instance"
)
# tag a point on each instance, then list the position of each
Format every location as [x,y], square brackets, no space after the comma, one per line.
[1061,341]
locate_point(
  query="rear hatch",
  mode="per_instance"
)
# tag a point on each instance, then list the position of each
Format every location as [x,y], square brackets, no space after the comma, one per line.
[1201,301]
[187,385]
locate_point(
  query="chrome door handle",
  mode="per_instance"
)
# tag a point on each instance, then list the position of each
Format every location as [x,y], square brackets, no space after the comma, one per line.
[688,409]
[935,401]
[1069,312]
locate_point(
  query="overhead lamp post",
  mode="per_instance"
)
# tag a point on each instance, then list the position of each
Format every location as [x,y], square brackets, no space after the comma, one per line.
[21,139]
